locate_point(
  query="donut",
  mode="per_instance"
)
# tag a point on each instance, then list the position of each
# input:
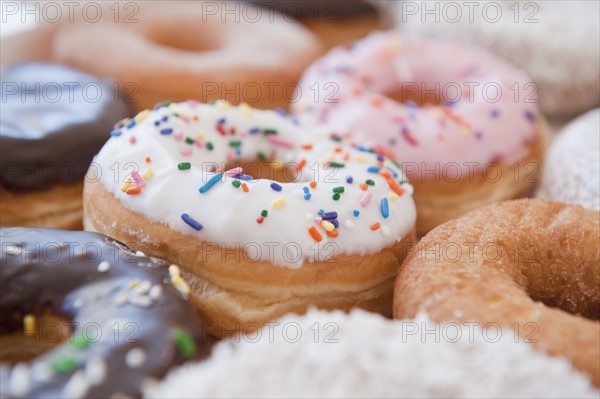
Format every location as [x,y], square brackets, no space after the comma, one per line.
[204,50]
[529,265]
[527,34]
[572,171]
[262,218]
[54,120]
[400,359]
[129,317]
[446,112]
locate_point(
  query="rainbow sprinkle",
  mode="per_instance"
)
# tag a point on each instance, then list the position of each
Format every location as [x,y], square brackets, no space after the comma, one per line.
[190,221]
[138,179]
[278,203]
[208,185]
[314,233]
[385,210]
[364,201]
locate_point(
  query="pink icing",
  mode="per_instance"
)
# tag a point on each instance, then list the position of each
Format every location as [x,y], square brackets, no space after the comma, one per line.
[478,128]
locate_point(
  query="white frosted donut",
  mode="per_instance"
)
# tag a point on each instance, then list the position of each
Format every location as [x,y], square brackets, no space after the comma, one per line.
[177,181]
[572,169]
[365,355]
[556,42]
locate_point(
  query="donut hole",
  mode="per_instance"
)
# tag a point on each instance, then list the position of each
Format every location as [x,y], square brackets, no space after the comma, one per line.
[266,169]
[194,40]
[559,280]
[418,94]
[49,331]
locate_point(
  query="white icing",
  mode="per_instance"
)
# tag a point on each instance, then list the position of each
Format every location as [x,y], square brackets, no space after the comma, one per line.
[228,214]
[572,167]
[365,355]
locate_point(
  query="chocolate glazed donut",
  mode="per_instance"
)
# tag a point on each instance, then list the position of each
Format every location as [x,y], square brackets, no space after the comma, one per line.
[102,288]
[54,120]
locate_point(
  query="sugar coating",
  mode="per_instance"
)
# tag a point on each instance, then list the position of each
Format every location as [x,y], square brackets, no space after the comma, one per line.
[374,357]
[572,167]
[556,42]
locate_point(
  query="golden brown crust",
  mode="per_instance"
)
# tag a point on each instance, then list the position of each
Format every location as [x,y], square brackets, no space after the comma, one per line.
[523,261]
[230,288]
[442,198]
[57,207]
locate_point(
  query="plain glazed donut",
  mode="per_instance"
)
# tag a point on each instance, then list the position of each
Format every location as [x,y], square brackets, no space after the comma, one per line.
[54,120]
[530,265]
[557,43]
[363,355]
[130,319]
[254,248]
[179,50]
[460,148]
[572,171]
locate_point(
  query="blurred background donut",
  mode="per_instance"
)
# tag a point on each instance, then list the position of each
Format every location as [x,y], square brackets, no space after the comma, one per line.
[556,42]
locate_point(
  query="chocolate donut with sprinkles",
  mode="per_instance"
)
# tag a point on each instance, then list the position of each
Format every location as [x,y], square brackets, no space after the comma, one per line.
[264,217]
[130,316]
[464,124]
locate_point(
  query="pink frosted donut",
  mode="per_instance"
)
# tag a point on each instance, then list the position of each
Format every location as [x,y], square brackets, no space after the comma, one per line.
[464,124]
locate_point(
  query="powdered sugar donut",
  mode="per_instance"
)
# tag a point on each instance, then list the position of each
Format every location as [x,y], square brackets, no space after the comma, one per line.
[326,355]
[199,184]
[572,171]
[462,123]
[556,42]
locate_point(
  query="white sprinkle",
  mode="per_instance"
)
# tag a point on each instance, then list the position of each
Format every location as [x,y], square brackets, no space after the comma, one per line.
[349,224]
[135,358]
[408,189]
[104,266]
[95,371]
[156,292]
[309,216]
[142,288]
[20,380]
[77,303]
[139,253]
[121,298]
[298,194]
[77,386]
[385,231]
[139,300]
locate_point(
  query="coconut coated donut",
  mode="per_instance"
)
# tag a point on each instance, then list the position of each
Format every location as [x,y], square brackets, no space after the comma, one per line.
[537,36]
[130,319]
[530,265]
[572,171]
[180,50]
[448,113]
[205,186]
[330,358]
[54,120]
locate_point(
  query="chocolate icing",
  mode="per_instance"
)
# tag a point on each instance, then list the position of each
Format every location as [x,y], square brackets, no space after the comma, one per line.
[56,269]
[54,120]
